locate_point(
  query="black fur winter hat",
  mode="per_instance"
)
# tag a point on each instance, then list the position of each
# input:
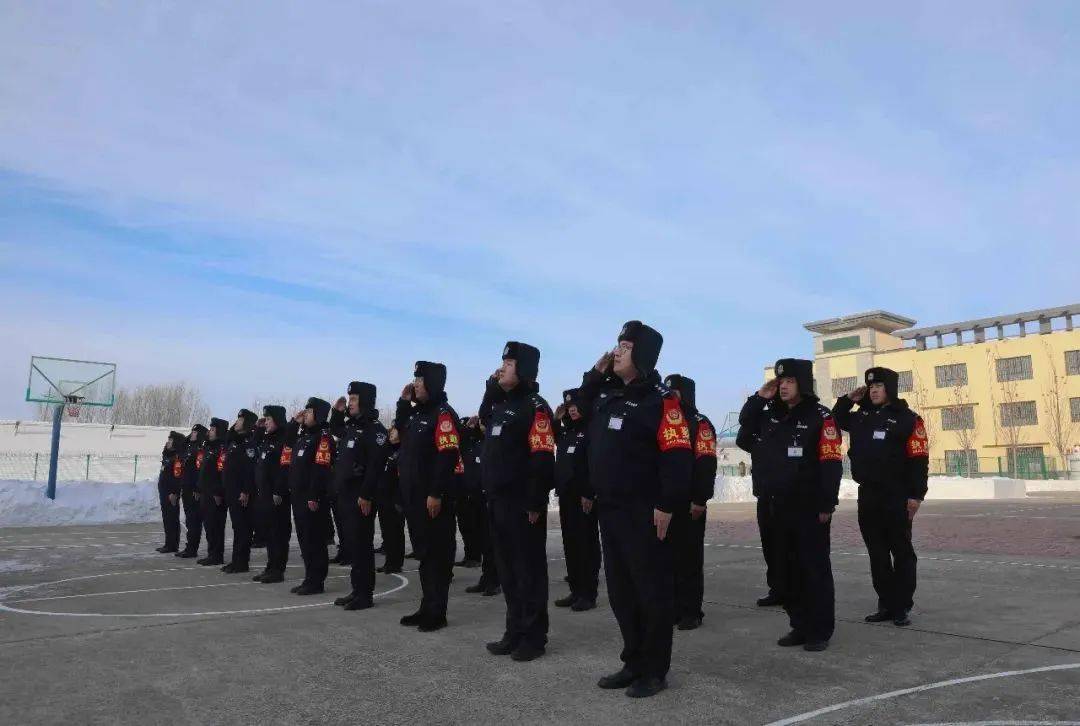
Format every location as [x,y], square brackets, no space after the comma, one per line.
[647,343]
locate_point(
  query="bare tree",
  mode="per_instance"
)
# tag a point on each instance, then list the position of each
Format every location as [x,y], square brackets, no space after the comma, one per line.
[159,404]
[1004,398]
[967,426]
[1060,429]
[920,396]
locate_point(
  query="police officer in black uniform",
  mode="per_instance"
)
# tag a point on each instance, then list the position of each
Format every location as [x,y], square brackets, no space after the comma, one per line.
[796,449]
[889,456]
[272,502]
[473,452]
[238,476]
[361,458]
[189,492]
[640,465]
[211,492]
[389,507]
[518,473]
[577,517]
[688,525]
[430,468]
[470,507]
[310,472]
[169,477]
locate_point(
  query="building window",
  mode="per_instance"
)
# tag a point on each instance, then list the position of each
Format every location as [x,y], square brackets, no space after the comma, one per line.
[958,418]
[834,344]
[906,385]
[1014,369]
[951,375]
[1072,362]
[1020,413]
[961,462]
[1074,409]
[844,386]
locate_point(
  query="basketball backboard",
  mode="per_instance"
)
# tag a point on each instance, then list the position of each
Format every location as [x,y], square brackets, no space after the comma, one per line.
[63,380]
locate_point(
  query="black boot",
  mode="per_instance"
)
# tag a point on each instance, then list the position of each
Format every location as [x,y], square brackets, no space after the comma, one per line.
[770,600]
[583,603]
[187,554]
[646,687]
[565,602]
[505,646]
[414,619]
[346,599]
[492,590]
[310,589]
[791,639]
[359,603]
[689,622]
[620,679]
[526,652]
[273,576]
[478,587]
[431,624]
[879,617]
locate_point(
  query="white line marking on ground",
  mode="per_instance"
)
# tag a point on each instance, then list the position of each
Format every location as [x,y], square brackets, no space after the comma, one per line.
[1001,723]
[917,689]
[404,582]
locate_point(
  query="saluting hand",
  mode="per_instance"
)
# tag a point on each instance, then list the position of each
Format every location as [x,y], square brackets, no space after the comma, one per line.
[407,392]
[662,520]
[434,506]
[604,362]
[365,506]
[769,389]
[339,405]
[857,394]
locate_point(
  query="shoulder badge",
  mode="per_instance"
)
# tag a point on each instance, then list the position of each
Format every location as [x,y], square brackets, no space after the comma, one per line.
[674,433]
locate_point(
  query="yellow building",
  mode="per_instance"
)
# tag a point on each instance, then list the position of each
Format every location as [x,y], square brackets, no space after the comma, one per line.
[999,394]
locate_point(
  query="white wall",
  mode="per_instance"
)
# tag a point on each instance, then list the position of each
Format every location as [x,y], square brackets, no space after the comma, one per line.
[82,438]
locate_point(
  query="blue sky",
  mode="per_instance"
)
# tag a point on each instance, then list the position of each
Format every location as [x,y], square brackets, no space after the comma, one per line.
[271,198]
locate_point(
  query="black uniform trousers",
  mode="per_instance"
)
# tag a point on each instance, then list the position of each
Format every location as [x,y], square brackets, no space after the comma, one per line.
[311,534]
[886,530]
[214,516]
[581,546]
[357,534]
[276,523]
[640,584]
[392,529]
[192,520]
[241,517]
[766,528]
[470,513]
[489,569]
[170,519]
[804,569]
[434,543]
[521,560]
[688,538]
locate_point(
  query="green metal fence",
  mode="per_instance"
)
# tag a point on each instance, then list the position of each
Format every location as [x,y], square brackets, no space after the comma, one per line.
[79,467]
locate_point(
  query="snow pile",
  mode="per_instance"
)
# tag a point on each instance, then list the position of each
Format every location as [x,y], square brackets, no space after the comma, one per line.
[740,489]
[23,503]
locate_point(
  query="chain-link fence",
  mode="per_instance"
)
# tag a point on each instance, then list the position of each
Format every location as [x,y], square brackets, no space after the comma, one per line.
[79,467]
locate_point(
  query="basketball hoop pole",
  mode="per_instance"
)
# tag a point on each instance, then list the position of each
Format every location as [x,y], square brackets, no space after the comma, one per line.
[54,452]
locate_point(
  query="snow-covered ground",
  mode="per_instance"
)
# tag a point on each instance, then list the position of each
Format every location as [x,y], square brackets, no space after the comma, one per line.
[23,503]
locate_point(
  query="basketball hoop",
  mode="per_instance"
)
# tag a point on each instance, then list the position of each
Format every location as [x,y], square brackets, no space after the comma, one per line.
[73,406]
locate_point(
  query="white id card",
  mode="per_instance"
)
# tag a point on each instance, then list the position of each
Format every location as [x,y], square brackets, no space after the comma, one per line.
[496,430]
[571,449]
[478,460]
[300,452]
[879,434]
[615,423]
[352,442]
[794,451]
